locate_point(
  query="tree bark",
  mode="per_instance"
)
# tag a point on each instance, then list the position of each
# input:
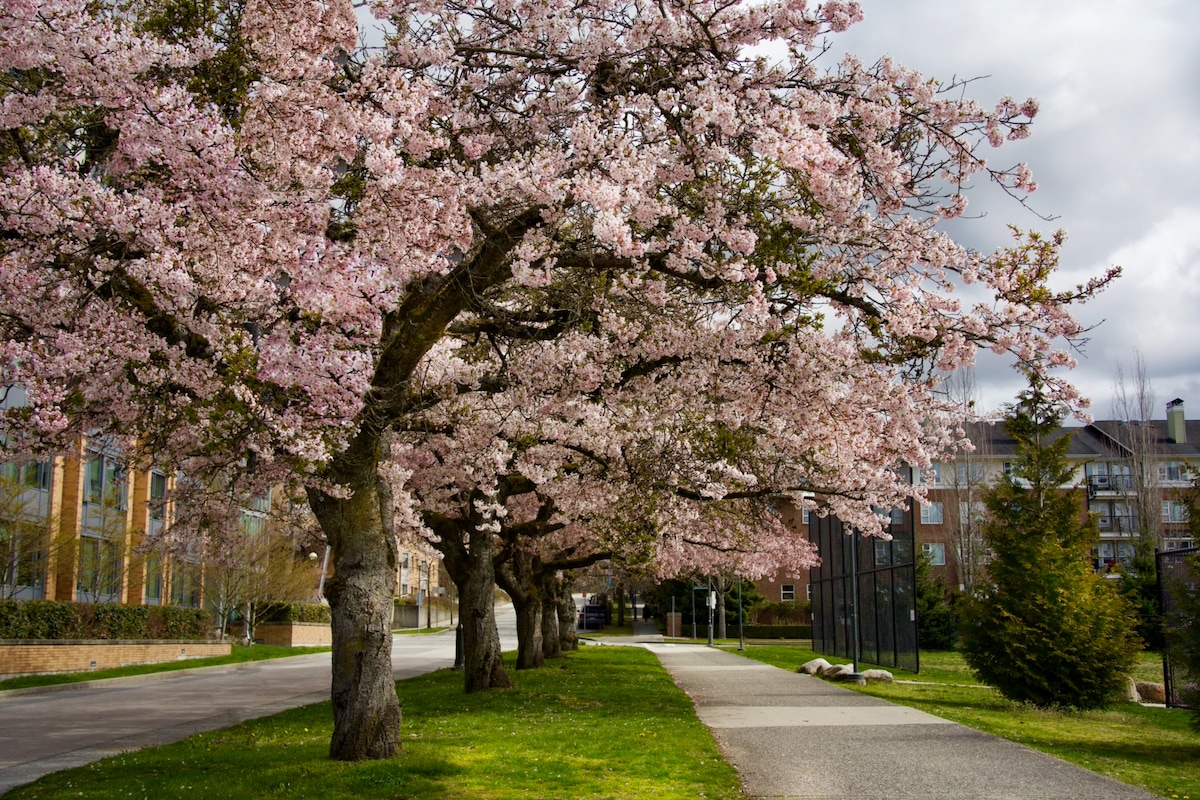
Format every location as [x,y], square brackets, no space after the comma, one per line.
[517,578]
[568,631]
[551,643]
[469,558]
[366,711]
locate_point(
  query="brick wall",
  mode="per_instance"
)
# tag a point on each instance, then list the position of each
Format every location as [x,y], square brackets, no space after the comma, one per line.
[31,658]
[295,634]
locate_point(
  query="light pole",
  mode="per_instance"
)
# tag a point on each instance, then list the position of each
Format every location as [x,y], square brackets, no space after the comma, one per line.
[741,627]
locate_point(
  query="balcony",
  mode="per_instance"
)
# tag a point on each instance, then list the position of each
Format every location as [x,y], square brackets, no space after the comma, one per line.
[1109,485]
[1125,525]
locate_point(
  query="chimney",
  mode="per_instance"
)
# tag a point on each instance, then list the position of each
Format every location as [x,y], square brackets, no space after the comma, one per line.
[1176,424]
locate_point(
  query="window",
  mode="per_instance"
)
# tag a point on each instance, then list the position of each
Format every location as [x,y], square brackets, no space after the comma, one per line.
[804,518]
[1173,511]
[931,514]
[104,482]
[1172,471]
[36,475]
[935,552]
[933,475]
[787,593]
[404,573]
[1009,467]
[974,512]
[968,474]
[158,491]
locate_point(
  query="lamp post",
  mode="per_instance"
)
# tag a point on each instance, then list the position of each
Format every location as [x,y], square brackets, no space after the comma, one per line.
[741,627]
[712,607]
[855,676]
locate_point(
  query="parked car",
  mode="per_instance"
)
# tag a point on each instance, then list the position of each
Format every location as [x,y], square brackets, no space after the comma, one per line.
[591,617]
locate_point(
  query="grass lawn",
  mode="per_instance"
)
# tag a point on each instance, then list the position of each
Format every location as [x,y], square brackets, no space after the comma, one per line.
[237,654]
[605,722]
[1148,747]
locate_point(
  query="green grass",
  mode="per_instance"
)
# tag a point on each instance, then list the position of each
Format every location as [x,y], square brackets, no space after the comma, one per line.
[237,655]
[605,722]
[416,631]
[1148,747]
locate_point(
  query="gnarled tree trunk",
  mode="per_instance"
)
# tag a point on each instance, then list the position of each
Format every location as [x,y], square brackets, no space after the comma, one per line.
[469,557]
[551,643]
[568,615]
[366,711]
[516,577]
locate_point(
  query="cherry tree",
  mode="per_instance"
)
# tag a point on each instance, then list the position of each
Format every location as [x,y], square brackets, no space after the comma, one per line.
[249,247]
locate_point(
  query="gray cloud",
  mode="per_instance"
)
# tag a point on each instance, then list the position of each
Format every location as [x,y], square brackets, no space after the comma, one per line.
[1115,150]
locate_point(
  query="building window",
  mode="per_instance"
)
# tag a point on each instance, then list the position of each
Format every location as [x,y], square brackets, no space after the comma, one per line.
[968,474]
[404,573]
[787,593]
[158,491]
[1009,467]
[804,518]
[104,482]
[1173,511]
[931,514]
[935,552]
[1172,471]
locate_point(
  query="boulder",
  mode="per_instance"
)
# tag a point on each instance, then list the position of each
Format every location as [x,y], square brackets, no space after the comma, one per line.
[880,675]
[1152,692]
[814,667]
[838,672]
[1131,693]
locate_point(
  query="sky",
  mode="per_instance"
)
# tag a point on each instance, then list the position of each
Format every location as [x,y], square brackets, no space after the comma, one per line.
[1115,150]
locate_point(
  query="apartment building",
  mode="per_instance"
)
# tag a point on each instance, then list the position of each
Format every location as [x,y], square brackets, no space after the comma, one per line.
[1129,476]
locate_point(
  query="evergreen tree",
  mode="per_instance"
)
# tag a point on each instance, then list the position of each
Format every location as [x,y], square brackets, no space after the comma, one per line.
[1043,627]
[937,627]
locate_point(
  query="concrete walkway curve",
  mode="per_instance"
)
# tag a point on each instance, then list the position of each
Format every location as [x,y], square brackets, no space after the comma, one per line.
[791,737]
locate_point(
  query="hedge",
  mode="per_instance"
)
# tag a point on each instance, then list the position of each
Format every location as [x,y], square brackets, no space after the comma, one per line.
[778,631]
[53,619]
[296,612]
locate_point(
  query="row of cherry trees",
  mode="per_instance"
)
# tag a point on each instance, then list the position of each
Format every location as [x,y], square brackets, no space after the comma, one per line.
[540,282]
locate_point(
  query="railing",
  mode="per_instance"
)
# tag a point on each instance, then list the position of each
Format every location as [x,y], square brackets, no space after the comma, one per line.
[1118,524]
[1116,484]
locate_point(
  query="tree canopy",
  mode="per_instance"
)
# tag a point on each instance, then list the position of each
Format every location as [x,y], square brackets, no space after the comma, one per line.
[620,268]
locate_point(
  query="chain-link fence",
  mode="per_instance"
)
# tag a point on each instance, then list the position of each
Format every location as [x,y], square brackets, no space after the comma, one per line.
[886,582]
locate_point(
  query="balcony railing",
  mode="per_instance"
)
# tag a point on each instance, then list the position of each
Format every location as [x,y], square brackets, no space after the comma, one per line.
[1118,524]
[1109,484]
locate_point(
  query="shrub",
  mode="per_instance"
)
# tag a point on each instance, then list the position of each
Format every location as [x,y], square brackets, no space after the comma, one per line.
[296,612]
[52,619]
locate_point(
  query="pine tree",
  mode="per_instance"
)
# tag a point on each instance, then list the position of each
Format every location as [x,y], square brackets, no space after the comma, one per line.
[1043,627]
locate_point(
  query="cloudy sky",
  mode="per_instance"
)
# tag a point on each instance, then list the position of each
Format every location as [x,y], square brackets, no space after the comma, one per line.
[1115,150]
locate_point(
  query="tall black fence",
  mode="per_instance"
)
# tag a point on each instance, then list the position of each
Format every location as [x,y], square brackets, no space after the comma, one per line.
[887,598]
[1176,575]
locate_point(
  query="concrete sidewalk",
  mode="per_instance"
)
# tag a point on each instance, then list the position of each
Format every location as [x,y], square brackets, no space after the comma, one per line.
[794,736]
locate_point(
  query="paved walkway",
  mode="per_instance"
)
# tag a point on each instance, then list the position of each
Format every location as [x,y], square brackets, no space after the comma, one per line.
[794,736]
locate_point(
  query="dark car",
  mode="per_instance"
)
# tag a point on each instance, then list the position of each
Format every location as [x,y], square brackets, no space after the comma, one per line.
[591,617]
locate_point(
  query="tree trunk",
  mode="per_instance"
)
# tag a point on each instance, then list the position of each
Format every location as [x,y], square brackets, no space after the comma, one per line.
[517,578]
[568,634]
[366,711]
[551,643]
[620,605]
[469,558]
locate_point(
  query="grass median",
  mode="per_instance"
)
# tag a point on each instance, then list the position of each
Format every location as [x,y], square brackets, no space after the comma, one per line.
[1139,745]
[605,722]
[238,654]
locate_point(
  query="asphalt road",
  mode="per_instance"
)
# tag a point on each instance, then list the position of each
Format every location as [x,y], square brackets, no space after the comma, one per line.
[78,724]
